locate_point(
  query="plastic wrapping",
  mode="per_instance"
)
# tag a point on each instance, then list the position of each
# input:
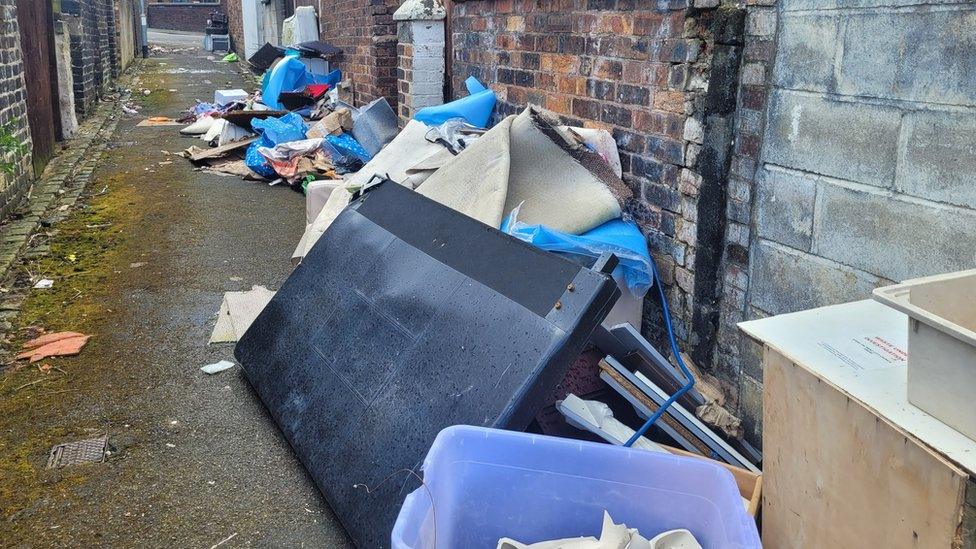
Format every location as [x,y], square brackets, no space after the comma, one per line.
[454,133]
[619,237]
[258,163]
[291,74]
[289,127]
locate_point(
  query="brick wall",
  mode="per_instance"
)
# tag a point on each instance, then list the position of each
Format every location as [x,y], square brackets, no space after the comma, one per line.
[13,109]
[366,33]
[652,74]
[736,360]
[235,25]
[184,17]
[83,58]
[865,174]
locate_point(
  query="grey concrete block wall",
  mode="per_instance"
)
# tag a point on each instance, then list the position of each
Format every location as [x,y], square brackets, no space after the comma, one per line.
[912,55]
[784,207]
[938,158]
[866,170]
[894,236]
[873,113]
[838,138]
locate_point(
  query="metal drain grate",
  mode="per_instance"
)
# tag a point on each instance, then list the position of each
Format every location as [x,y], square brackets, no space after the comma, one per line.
[91,450]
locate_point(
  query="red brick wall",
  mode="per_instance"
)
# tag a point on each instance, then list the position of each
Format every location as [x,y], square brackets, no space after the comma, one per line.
[366,33]
[662,76]
[235,25]
[621,65]
[184,17]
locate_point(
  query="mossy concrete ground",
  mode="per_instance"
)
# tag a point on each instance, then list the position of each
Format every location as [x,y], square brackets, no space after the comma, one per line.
[141,264]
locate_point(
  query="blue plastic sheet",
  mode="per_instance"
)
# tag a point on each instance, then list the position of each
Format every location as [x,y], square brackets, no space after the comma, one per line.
[622,238]
[475,108]
[290,74]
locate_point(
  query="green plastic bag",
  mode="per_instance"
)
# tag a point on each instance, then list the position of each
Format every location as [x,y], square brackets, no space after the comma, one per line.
[230,58]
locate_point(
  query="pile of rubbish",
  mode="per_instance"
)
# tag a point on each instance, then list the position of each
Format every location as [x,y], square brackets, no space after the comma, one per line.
[457,272]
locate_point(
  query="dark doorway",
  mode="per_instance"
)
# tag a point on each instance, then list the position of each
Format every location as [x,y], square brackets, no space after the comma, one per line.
[35,19]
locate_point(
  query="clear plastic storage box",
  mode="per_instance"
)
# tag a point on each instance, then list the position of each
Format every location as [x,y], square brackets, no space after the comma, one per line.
[487,484]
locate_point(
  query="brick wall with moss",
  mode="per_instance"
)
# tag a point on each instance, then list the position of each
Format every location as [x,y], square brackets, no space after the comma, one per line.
[15,158]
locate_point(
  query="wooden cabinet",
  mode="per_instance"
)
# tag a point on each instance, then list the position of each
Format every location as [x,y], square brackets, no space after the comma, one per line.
[848,461]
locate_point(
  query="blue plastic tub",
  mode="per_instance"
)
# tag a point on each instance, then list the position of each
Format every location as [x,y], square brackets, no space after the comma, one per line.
[488,484]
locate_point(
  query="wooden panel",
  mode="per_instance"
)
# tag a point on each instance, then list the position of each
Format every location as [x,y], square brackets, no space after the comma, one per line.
[837,475]
[36,40]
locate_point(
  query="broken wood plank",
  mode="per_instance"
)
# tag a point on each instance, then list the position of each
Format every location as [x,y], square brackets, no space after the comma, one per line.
[196,154]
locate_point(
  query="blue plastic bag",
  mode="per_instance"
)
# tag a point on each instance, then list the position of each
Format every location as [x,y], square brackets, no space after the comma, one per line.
[289,127]
[346,144]
[475,108]
[619,237]
[257,163]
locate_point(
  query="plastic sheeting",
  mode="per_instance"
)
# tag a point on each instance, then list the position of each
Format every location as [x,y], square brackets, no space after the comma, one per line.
[347,145]
[289,127]
[622,238]
[273,130]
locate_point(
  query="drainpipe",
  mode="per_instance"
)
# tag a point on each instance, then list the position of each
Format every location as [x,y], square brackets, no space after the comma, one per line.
[145,29]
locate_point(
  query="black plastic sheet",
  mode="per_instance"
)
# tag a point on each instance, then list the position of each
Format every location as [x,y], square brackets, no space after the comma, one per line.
[407,317]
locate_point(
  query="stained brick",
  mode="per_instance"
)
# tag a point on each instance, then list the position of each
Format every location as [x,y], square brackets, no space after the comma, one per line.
[633,95]
[586,109]
[600,89]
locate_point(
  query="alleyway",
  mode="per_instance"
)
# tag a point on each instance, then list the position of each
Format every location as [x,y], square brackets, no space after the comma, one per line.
[196,459]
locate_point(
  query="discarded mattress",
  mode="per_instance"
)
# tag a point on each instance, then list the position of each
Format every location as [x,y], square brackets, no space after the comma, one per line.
[303,26]
[527,161]
[391,329]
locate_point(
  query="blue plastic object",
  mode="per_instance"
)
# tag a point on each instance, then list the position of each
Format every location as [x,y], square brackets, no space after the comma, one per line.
[617,236]
[474,85]
[290,74]
[475,108]
[289,127]
[346,144]
[258,163]
[287,75]
[666,312]
[487,484]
